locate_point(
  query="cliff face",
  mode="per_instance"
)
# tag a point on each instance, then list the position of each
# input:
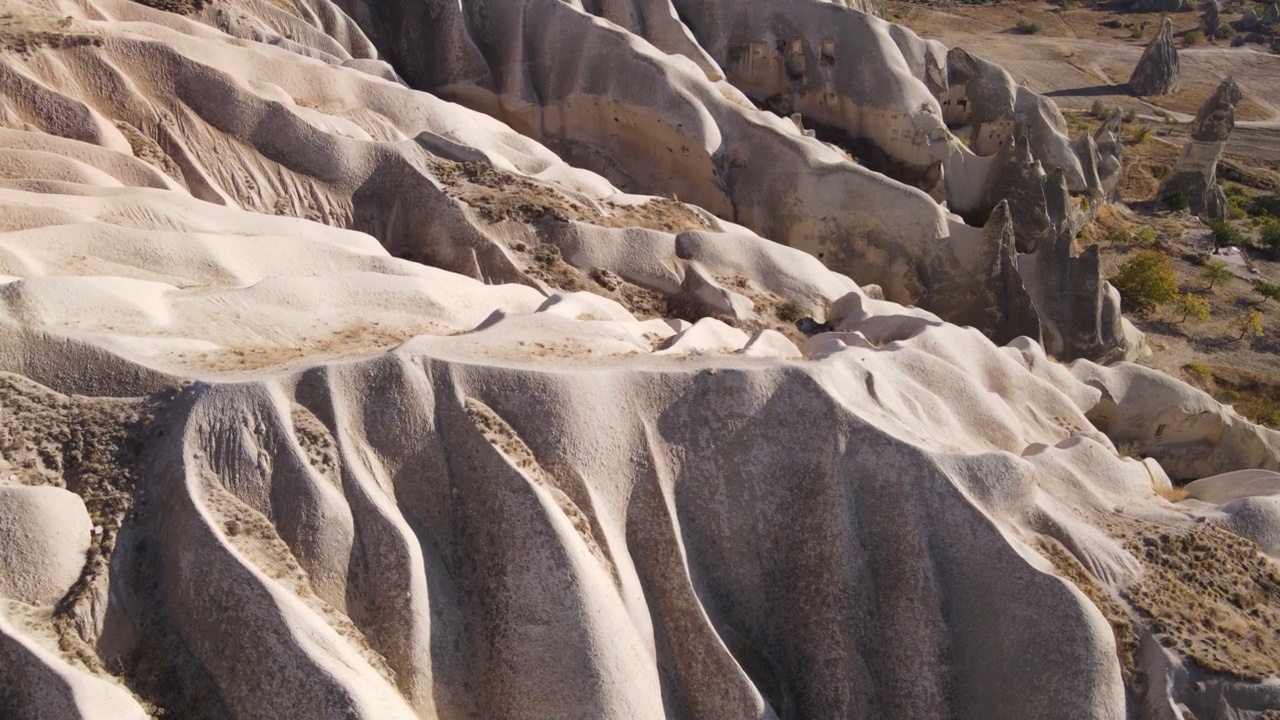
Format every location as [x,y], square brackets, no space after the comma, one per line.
[326,396]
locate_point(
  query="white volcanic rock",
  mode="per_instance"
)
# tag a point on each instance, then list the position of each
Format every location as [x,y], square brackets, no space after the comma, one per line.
[44,535]
[1190,433]
[387,410]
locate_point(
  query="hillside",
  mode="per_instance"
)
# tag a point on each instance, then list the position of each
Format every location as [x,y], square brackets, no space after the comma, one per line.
[647,359]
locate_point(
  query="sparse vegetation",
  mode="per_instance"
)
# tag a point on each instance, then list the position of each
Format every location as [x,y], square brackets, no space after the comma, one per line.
[1099,110]
[1270,237]
[1028,27]
[1137,30]
[25,34]
[1141,134]
[1249,324]
[1190,307]
[1267,289]
[1147,280]
[1200,369]
[1225,234]
[1192,38]
[1176,200]
[1214,272]
[180,7]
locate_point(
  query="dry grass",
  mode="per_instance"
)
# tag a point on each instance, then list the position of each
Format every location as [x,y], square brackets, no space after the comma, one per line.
[95,447]
[1113,609]
[351,339]
[149,151]
[1254,394]
[1172,494]
[1211,594]
[773,311]
[500,196]
[545,264]
[180,7]
[26,33]
[255,537]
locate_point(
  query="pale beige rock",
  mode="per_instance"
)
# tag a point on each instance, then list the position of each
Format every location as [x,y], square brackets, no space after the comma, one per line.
[354,485]
[44,537]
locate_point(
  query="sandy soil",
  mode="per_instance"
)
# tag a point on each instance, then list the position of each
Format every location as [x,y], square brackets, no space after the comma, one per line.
[1077,59]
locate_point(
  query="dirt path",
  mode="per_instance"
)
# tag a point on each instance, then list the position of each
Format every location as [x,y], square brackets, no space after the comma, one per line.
[1078,59]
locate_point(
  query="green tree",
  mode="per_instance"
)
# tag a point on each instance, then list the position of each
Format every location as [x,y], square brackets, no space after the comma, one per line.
[1225,234]
[1250,324]
[1268,290]
[1191,306]
[1215,271]
[1146,279]
[1271,237]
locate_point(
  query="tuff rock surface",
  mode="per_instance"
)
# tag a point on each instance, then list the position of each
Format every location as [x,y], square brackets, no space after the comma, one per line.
[1195,175]
[440,360]
[1157,71]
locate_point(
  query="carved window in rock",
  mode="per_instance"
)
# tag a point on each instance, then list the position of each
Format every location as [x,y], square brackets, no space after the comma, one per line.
[828,52]
[795,59]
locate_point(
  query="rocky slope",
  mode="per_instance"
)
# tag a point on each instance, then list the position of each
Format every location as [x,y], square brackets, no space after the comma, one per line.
[501,384]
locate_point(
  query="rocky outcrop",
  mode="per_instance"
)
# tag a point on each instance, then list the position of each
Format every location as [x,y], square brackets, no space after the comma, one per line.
[1249,20]
[1211,18]
[324,397]
[1110,156]
[1157,70]
[680,133]
[1078,309]
[1195,176]
[1186,430]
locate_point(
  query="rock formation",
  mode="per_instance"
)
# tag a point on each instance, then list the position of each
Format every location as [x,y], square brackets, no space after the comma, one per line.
[1248,21]
[684,132]
[1271,16]
[1211,18]
[327,397]
[1195,176]
[1157,70]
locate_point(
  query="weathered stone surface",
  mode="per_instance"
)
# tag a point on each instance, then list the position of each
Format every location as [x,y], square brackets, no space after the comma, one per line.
[1079,311]
[1195,175]
[1157,70]
[1018,179]
[1211,18]
[590,478]
[1110,155]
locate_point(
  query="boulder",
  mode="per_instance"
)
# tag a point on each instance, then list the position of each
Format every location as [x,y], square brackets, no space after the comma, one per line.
[1157,70]
[1249,20]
